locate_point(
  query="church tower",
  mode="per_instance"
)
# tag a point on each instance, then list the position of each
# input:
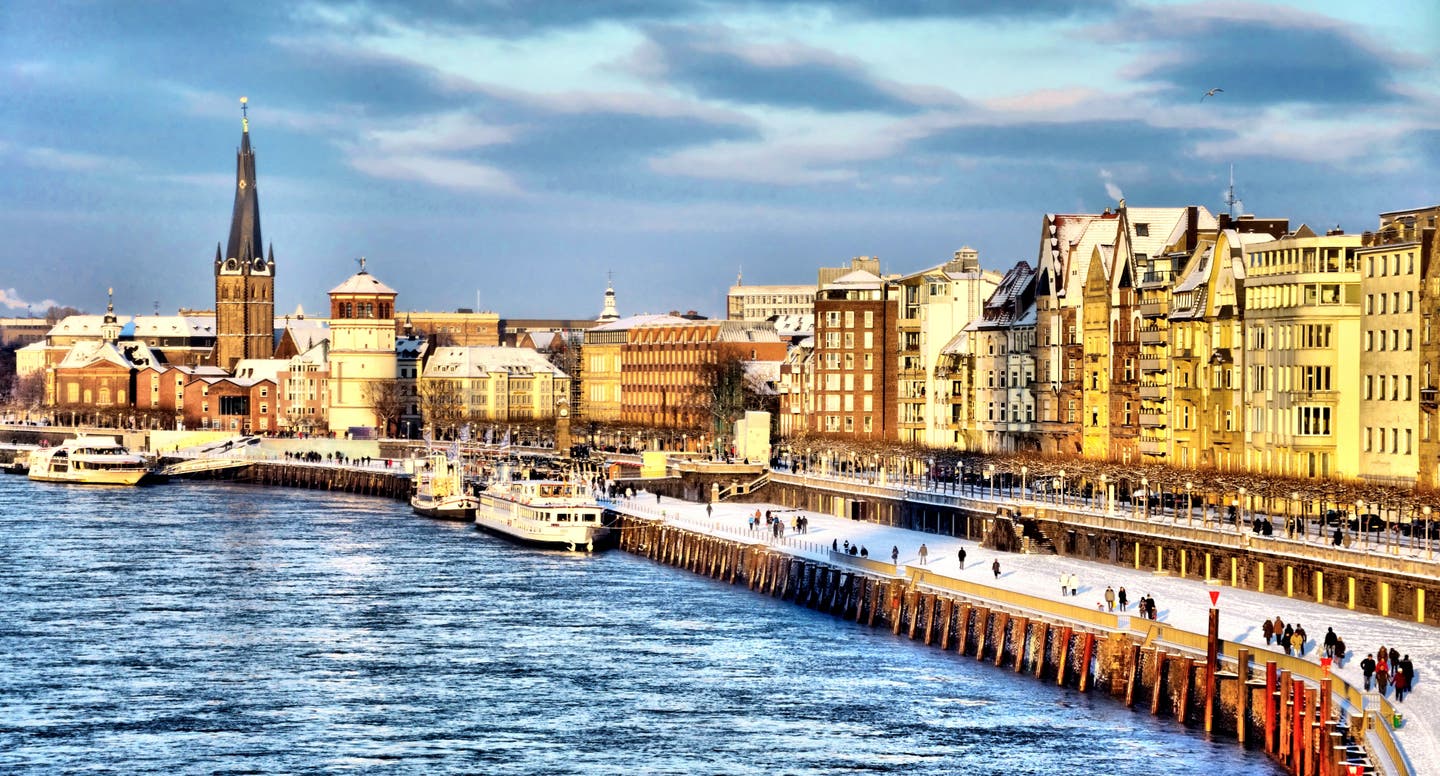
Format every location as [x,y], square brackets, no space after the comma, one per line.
[244,275]
[609,312]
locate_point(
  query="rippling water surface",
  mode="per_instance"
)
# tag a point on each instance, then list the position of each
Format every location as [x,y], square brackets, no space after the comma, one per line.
[201,627]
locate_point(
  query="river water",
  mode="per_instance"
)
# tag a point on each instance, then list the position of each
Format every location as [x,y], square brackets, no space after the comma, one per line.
[214,628]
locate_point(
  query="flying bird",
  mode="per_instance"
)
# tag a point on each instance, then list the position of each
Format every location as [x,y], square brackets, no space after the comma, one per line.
[1211,93]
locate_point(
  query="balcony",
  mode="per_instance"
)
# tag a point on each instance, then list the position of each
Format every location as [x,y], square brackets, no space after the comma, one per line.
[1154,419]
[1153,446]
[1153,309]
[1153,392]
[1429,397]
[1186,353]
[1153,363]
[1153,336]
[1157,277]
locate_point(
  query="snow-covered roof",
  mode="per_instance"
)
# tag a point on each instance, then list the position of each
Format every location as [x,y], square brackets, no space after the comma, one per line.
[305,332]
[482,361]
[138,326]
[858,278]
[625,324]
[362,282]
[794,325]
[260,368]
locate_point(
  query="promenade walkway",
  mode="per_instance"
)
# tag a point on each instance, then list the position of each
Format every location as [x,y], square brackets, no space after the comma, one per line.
[1181,603]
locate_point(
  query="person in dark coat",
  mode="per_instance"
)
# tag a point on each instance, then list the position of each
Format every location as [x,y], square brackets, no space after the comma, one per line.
[1330,639]
[1367,667]
[1268,628]
[962,558]
[1285,637]
[995,567]
[1408,668]
[1124,598]
[1401,684]
[1382,675]
[1339,652]
[1394,657]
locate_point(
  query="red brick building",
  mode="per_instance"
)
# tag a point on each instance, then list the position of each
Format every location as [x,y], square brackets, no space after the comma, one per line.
[662,366]
[856,330]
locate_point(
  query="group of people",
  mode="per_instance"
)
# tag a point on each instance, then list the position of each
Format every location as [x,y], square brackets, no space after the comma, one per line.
[1069,584]
[1112,597]
[1293,639]
[1390,669]
[850,549]
[336,457]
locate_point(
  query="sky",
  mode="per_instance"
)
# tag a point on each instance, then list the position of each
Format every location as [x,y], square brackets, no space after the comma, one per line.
[515,154]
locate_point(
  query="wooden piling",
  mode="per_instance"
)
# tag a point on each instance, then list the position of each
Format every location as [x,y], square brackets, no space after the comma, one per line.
[929,606]
[1022,640]
[947,610]
[982,631]
[1159,681]
[1133,679]
[1042,648]
[1002,630]
[963,639]
[1063,664]
[1271,681]
[1086,654]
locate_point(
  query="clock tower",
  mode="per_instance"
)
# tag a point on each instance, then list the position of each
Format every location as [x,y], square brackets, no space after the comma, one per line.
[244,275]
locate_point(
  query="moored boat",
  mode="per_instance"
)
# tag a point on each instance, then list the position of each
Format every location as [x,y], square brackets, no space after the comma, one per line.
[89,461]
[440,490]
[550,513]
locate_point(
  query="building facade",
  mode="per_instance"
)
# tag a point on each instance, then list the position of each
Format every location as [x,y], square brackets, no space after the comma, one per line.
[244,275]
[362,351]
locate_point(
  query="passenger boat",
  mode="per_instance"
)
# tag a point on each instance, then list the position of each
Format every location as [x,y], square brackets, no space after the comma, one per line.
[440,489]
[550,513]
[89,461]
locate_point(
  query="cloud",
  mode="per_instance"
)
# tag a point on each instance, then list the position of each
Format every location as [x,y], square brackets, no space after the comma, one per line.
[1109,142]
[440,171]
[12,299]
[1261,55]
[715,66]
[44,158]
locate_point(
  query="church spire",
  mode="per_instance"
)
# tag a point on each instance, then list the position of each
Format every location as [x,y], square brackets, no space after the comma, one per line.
[609,312]
[245,243]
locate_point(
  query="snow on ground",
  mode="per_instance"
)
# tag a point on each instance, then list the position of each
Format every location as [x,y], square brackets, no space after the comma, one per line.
[1182,603]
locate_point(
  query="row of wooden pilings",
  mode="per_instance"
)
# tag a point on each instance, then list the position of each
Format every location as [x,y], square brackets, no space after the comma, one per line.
[387,484]
[1275,711]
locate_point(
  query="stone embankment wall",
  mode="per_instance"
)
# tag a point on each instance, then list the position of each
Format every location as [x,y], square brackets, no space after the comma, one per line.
[1267,706]
[388,484]
[1391,585]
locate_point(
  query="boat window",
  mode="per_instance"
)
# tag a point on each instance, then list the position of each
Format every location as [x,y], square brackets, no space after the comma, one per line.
[563,517]
[589,517]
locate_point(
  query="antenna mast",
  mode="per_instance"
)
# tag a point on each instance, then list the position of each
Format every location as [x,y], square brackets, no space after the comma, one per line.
[1230,200]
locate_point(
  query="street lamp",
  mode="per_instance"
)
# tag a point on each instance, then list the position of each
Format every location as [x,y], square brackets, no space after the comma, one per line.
[1359,524]
[1240,504]
[1429,546]
[1105,492]
[929,473]
[1189,504]
[990,475]
[1024,472]
[1145,486]
[1295,504]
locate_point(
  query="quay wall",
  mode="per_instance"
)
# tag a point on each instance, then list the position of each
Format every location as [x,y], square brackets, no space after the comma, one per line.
[1304,719]
[365,482]
[1390,585]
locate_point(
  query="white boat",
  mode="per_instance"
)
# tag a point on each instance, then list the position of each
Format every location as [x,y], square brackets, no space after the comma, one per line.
[550,513]
[89,461]
[440,489]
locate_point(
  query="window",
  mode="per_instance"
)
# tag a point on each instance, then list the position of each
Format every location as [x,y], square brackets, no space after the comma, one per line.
[869,320]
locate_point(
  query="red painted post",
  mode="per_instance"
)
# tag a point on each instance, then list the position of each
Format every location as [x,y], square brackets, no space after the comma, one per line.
[1271,679]
[1212,655]
[1086,654]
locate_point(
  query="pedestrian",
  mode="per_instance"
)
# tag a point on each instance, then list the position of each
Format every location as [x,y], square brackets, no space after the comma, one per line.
[962,558]
[1064,584]
[895,555]
[1330,639]
[924,553]
[1268,628]
[835,544]
[995,567]
[1297,640]
[1285,637]
[1074,584]
[1304,638]
[1339,652]
[1124,598]
[1110,597]
[1394,657]
[709,510]
[864,553]
[1382,675]
[1408,667]
[1367,667]
[847,546]
[657,497]
[1401,684]
[1279,626]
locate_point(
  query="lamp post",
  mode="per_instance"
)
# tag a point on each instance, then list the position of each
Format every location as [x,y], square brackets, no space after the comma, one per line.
[929,473]
[1024,472]
[1240,509]
[1105,492]
[1297,506]
[1189,504]
[1429,547]
[1062,487]
[960,474]
[990,475]
[1145,485]
[1359,520]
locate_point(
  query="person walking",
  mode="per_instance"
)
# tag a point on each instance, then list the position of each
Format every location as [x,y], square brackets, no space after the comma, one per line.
[924,553]
[962,558]
[1382,675]
[1064,584]
[1330,639]
[1110,597]
[1339,652]
[1304,637]
[709,510]
[995,567]
[1297,641]
[1074,584]
[1124,598]
[1279,626]
[1367,667]
[895,554]
[1268,628]
[1401,685]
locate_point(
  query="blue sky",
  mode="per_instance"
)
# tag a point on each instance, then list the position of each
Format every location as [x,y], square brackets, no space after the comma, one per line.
[522,150]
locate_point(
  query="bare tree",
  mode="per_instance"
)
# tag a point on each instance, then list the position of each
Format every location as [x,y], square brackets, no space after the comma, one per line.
[441,405]
[723,393]
[386,398]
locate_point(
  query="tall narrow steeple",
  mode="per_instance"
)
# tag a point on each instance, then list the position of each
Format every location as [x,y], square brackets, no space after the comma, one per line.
[245,243]
[609,312]
[244,276]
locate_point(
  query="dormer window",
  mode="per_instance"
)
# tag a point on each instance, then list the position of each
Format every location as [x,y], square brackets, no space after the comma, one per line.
[1142,230]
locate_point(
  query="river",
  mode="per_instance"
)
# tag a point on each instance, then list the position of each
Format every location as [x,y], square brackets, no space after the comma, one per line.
[213,628]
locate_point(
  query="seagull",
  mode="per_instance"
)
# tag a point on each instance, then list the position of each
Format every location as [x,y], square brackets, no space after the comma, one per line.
[1211,93]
